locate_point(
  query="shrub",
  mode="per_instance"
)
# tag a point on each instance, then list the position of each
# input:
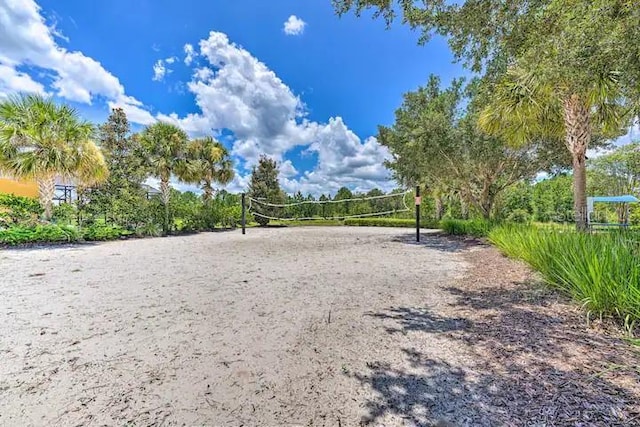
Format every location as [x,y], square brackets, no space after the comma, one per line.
[212,214]
[186,210]
[470,227]
[65,213]
[18,210]
[48,233]
[601,271]
[104,232]
[231,216]
[149,230]
[519,216]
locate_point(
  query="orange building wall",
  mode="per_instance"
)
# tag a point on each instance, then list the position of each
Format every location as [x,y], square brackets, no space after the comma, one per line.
[19,188]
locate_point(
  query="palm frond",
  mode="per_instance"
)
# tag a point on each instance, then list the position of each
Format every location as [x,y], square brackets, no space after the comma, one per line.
[522,108]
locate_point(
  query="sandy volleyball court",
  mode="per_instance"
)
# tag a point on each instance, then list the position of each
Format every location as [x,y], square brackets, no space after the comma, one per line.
[296,326]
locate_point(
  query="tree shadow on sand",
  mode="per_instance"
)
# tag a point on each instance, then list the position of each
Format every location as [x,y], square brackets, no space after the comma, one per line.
[439,241]
[419,319]
[529,360]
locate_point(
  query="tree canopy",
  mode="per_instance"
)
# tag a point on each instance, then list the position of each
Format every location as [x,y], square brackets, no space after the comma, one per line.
[42,140]
[562,70]
[435,142]
[119,198]
[264,185]
[207,163]
[165,146]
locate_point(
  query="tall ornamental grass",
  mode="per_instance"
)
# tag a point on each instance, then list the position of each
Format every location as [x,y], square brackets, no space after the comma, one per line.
[467,227]
[602,271]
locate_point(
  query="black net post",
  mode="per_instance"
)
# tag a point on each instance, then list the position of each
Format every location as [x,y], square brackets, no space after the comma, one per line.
[418,201]
[244,215]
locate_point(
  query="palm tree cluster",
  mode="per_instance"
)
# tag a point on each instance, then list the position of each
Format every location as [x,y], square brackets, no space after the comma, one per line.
[202,161]
[46,142]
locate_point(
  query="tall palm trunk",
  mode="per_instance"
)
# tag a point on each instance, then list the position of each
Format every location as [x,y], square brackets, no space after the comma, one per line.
[577,137]
[208,191]
[46,192]
[165,194]
[439,207]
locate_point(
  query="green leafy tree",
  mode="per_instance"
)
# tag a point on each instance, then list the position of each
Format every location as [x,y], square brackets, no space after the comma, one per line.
[345,208]
[618,172]
[207,163]
[44,141]
[264,186]
[325,209]
[516,202]
[165,146]
[435,140]
[574,65]
[553,199]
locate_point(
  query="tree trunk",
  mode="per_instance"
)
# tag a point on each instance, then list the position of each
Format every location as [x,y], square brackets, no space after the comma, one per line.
[165,194]
[46,192]
[486,206]
[577,137]
[464,208]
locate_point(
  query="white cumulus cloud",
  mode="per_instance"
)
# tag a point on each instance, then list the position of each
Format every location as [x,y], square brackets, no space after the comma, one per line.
[26,39]
[294,26]
[12,81]
[237,92]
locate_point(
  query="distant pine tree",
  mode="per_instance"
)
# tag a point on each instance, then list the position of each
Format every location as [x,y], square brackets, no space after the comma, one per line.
[121,198]
[264,186]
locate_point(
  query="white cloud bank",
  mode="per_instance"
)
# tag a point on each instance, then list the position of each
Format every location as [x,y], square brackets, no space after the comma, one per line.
[26,39]
[236,91]
[233,90]
[294,26]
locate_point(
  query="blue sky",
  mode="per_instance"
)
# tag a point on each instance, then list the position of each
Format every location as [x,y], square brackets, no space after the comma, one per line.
[310,96]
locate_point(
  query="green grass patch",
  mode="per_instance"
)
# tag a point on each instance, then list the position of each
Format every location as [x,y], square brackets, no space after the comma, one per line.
[313,222]
[358,222]
[601,271]
[389,222]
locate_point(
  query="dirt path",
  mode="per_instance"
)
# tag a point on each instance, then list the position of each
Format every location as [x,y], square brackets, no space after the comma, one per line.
[300,326]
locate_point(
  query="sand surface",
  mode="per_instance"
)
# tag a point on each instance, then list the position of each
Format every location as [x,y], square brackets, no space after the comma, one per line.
[291,326]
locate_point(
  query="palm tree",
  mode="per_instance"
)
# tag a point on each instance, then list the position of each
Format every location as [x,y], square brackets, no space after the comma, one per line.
[44,141]
[207,163]
[525,106]
[165,146]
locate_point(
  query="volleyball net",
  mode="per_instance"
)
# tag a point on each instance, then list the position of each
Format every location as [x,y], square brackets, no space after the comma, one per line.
[341,209]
